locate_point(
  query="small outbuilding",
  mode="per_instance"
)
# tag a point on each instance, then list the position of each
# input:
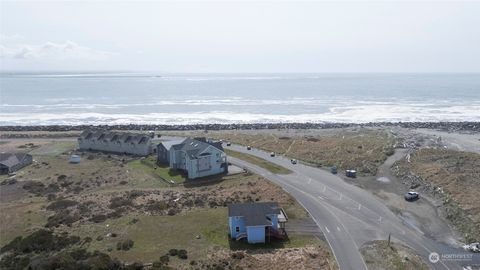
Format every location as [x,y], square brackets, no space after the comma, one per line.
[75,159]
[11,162]
[257,222]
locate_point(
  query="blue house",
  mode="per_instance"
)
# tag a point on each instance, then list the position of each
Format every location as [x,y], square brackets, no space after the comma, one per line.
[257,222]
[197,157]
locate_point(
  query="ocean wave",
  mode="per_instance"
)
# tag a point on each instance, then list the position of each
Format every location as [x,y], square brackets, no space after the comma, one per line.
[65,103]
[341,114]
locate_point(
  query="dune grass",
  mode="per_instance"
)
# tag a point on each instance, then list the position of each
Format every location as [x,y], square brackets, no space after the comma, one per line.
[274,168]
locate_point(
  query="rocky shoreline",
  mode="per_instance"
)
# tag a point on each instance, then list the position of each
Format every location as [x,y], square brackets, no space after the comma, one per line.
[443,126]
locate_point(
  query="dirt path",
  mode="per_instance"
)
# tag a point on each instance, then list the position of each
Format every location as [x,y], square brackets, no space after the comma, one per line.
[290,147]
[422,215]
[456,141]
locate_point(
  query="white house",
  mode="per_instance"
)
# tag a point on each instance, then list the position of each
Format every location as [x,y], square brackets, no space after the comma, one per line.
[198,157]
[116,142]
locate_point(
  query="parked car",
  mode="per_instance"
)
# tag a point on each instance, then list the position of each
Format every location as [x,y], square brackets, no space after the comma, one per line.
[351,173]
[412,196]
[272,154]
[333,169]
[249,147]
[229,143]
[294,161]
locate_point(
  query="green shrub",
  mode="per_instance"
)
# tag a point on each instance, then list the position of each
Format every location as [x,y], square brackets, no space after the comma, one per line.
[173,252]
[125,244]
[76,259]
[164,259]
[61,204]
[134,220]
[116,214]
[62,217]
[40,241]
[120,202]
[157,206]
[35,187]
[85,207]
[14,262]
[98,218]
[134,266]
[182,254]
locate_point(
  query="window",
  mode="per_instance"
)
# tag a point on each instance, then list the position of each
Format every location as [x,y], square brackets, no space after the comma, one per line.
[237,229]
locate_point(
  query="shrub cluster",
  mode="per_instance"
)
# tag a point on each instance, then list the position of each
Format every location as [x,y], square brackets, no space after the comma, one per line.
[63,217]
[77,259]
[61,204]
[40,241]
[98,218]
[39,189]
[125,244]
[181,253]
[120,202]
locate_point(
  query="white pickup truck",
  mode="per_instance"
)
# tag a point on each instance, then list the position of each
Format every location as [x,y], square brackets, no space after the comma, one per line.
[473,247]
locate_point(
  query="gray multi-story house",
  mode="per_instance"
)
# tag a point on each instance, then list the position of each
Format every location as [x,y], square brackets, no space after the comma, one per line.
[116,142]
[197,157]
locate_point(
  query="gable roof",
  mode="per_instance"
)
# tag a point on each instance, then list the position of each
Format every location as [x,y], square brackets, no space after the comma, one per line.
[11,159]
[112,136]
[170,144]
[255,213]
[194,147]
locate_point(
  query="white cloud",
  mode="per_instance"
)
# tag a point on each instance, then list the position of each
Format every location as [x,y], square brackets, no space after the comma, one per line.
[12,48]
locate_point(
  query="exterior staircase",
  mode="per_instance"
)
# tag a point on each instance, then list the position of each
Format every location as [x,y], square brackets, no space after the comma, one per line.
[241,236]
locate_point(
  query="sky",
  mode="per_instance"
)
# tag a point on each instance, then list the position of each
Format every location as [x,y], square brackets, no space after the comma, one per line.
[248,36]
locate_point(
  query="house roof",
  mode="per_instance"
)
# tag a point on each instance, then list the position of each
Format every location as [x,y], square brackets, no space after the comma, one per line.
[194,147]
[11,159]
[112,136]
[255,213]
[169,144]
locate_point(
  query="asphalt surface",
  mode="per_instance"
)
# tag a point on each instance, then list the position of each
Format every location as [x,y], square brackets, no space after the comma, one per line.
[350,216]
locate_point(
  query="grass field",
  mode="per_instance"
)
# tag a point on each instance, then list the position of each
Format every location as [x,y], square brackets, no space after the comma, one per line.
[274,168]
[379,255]
[154,235]
[100,177]
[21,218]
[161,171]
[54,148]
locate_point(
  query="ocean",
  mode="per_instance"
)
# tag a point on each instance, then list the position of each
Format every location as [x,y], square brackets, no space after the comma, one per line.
[147,98]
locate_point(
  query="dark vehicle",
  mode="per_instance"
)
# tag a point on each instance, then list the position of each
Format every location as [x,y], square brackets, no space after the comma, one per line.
[333,169]
[229,143]
[411,196]
[294,161]
[249,147]
[272,154]
[351,173]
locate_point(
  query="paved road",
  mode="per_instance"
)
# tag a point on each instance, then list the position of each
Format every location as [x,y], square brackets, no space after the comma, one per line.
[349,216]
